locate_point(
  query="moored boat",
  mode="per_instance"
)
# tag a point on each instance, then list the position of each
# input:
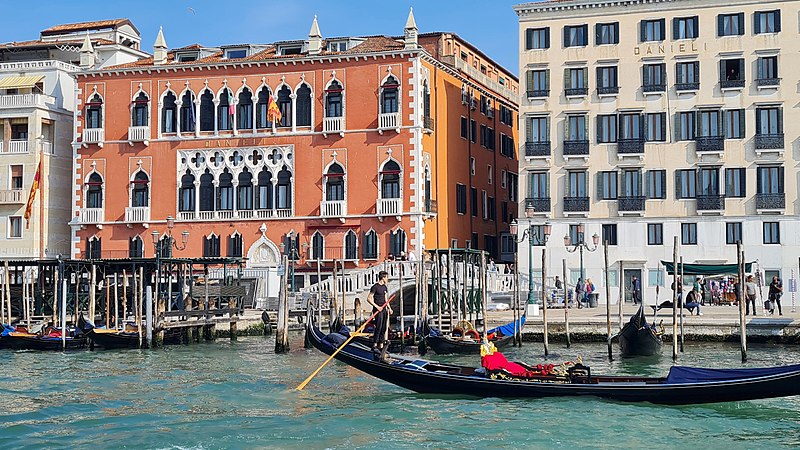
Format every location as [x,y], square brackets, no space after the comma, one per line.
[638,337]
[470,342]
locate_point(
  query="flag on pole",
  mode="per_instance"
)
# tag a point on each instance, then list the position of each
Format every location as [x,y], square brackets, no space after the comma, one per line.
[231,106]
[34,187]
[273,111]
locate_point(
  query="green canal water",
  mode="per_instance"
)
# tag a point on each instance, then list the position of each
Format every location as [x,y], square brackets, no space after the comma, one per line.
[240,395]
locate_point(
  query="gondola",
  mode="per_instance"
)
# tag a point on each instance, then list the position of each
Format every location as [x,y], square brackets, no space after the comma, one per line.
[110,338]
[500,336]
[639,338]
[50,339]
[682,386]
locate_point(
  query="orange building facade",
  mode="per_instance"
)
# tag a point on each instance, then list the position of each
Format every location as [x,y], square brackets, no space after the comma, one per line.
[366,161]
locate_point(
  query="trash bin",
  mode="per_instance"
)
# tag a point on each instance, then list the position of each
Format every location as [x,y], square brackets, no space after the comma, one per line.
[593,299]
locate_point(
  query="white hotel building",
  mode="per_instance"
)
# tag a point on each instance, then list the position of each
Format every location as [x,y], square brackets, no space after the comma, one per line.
[649,119]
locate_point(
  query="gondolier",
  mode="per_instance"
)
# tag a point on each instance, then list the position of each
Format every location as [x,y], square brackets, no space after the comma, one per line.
[377,298]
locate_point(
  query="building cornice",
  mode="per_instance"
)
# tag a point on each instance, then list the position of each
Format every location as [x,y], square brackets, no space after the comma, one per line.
[552,6]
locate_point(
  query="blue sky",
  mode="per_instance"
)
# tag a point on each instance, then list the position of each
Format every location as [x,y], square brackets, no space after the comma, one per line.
[490,25]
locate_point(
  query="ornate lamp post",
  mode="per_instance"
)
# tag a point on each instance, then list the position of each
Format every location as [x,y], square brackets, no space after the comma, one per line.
[533,235]
[581,245]
[293,256]
[166,245]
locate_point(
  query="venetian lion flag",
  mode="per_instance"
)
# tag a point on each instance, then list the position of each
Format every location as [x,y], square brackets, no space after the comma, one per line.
[273,112]
[34,187]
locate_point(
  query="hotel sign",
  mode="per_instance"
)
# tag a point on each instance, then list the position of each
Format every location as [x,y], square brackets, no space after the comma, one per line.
[663,49]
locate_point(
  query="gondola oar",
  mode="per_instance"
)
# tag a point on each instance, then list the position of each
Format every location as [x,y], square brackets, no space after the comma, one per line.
[352,336]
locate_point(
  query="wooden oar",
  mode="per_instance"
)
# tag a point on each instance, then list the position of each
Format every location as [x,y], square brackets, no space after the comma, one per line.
[352,336]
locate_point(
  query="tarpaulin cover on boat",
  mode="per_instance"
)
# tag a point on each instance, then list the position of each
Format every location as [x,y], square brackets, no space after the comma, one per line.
[508,329]
[707,269]
[681,374]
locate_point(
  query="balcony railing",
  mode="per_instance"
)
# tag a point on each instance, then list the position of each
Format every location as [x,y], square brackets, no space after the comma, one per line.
[25,100]
[538,93]
[541,148]
[388,121]
[576,204]
[12,197]
[687,86]
[576,92]
[576,147]
[770,201]
[137,214]
[731,84]
[608,90]
[630,204]
[93,135]
[630,146]
[539,204]
[139,134]
[428,123]
[710,143]
[333,208]
[654,88]
[333,124]
[769,141]
[710,202]
[432,206]
[18,146]
[92,215]
[389,206]
[47,148]
[768,82]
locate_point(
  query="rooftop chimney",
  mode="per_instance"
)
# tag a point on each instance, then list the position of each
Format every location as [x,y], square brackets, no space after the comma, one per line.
[314,39]
[410,32]
[87,54]
[160,49]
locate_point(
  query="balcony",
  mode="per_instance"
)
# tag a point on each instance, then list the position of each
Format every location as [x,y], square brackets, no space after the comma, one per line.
[731,84]
[769,141]
[576,204]
[654,88]
[541,148]
[26,100]
[93,136]
[630,146]
[389,207]
[768,82]
[576,148]
[428,124]
[538,93]
[608,90]
[17,146]
[47,148]
[770,202]
[333,208]
[713,203]
[12,197]
[92,215]
[630,204]
[137,214]
[687,87]
[539,204]
[710,144]
[576,92]
[332,125]
[389,121]
[139,134]
[431,206]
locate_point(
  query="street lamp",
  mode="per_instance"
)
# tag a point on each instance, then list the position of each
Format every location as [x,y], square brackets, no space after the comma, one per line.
[292,256]
[533,235]
[581,245]
[160,246]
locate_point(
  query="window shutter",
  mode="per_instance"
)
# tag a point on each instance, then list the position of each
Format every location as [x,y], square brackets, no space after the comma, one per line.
[599,77]
[720,24]
[758,121]
[741,23]
[741,123]
[529,80]
[777,21]
[645,127]
[642,31]
[663,193]
[675,34]
[780,120]
[645,76]
[663,30]
[585,77]
[677,126]
[678,185]
[664,126]
[547,37]
[598,129]
[547,79]
[741,69]
[600,185]
[757,23]
[586,128]
[648,184]
[696,71]
[585,40]
[567,81]
[780,180]
[597,28]
[743,182]
[678,78]
[566,37]
[528,39]
[725,124]
[619,178]
[547,128]
[696,21]
[722,74]
[758,180]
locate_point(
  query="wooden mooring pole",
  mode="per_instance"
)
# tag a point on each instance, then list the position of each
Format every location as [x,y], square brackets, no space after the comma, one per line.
[740,293]
[566,300]
[544,303]
[675,287]
[608,299]
[282,333]
[683,302]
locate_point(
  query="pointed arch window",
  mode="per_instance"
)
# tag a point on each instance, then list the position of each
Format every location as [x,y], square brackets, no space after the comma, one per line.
[426,102]
[283,190]
[427,188]
[94,112]
[186,193]
[333,100]
[370,246]
[225,110]
[188,114]
[265,189]
[94,191]
[206,191]
[94,248]
[225,191]
[245,110]
[139,111]
[304,105]
[136,247]
[351,246]
[207,111]
[389,95]
[317,246]
[244,194]
[334,183]
[390,179]
[397,242]
[285,105]
[235,245]
[262,119]
[169,114]
[140,190]
[211,246]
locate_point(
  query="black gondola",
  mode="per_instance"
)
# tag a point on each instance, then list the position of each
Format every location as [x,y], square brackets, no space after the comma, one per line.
[500,336]
[18,338]
[639,338]
[683,385]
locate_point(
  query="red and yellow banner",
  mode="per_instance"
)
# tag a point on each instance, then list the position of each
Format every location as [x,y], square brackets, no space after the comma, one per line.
[34,187]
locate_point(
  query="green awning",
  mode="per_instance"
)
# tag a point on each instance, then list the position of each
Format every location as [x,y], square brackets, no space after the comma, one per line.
[708,269]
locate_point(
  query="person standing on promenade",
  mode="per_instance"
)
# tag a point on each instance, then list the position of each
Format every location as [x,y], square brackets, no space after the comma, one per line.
[636,290]
[775,292]
[377,298]
[750,290]
[579,287]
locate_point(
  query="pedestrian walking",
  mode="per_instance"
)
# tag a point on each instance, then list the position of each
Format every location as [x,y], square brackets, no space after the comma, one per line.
[775,292]
[579,288]
[750,289]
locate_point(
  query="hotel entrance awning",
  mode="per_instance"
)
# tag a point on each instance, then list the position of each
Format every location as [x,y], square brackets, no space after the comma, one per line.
[20,82]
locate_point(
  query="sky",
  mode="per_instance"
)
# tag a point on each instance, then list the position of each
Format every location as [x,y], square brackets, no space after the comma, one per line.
[489,25]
